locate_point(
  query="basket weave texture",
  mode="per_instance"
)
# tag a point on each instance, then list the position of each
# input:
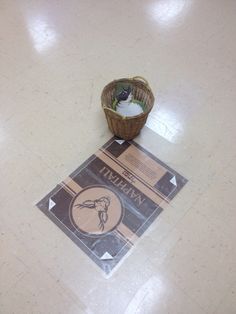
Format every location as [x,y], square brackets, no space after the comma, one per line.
[127,128]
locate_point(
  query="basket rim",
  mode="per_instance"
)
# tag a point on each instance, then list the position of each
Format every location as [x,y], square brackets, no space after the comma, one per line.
[127,117]
[133,80]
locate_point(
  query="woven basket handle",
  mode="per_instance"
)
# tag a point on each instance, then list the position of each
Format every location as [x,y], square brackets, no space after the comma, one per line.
[142,79]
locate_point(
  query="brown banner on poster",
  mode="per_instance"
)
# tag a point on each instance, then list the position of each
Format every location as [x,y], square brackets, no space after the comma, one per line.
[142,165]
[133,181]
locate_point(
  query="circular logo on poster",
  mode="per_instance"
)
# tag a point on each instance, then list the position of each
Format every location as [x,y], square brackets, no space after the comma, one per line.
[96,210]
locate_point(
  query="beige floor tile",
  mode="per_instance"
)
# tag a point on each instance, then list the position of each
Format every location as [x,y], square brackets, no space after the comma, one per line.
[35,117]
[228,305]
[158,295]
[202,261]
[19,176]
[79,274]
[37,292]
[159,242]
[12,269]
[15,260]
[134,271]
[217,204]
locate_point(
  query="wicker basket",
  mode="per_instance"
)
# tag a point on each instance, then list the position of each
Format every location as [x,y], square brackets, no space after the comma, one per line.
[127,128]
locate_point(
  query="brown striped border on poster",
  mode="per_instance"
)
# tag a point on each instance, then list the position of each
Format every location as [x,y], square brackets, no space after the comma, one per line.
[71,185]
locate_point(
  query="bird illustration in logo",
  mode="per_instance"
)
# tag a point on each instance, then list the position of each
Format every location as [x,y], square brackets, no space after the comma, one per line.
[100,206]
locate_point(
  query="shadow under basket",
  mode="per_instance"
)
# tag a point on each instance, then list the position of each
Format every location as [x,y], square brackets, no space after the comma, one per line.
[127,128]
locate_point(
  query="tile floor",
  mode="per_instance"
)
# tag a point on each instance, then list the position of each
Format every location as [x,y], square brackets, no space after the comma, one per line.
[55,58]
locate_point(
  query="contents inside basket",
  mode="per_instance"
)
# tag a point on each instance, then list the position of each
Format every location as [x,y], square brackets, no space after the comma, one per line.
[125,103]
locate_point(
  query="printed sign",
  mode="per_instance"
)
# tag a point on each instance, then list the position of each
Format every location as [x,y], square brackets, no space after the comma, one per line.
[109,201]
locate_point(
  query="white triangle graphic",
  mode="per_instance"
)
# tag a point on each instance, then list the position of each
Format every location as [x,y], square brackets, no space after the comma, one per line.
[120,141]
[51,204]
[106,256]
[173,181]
